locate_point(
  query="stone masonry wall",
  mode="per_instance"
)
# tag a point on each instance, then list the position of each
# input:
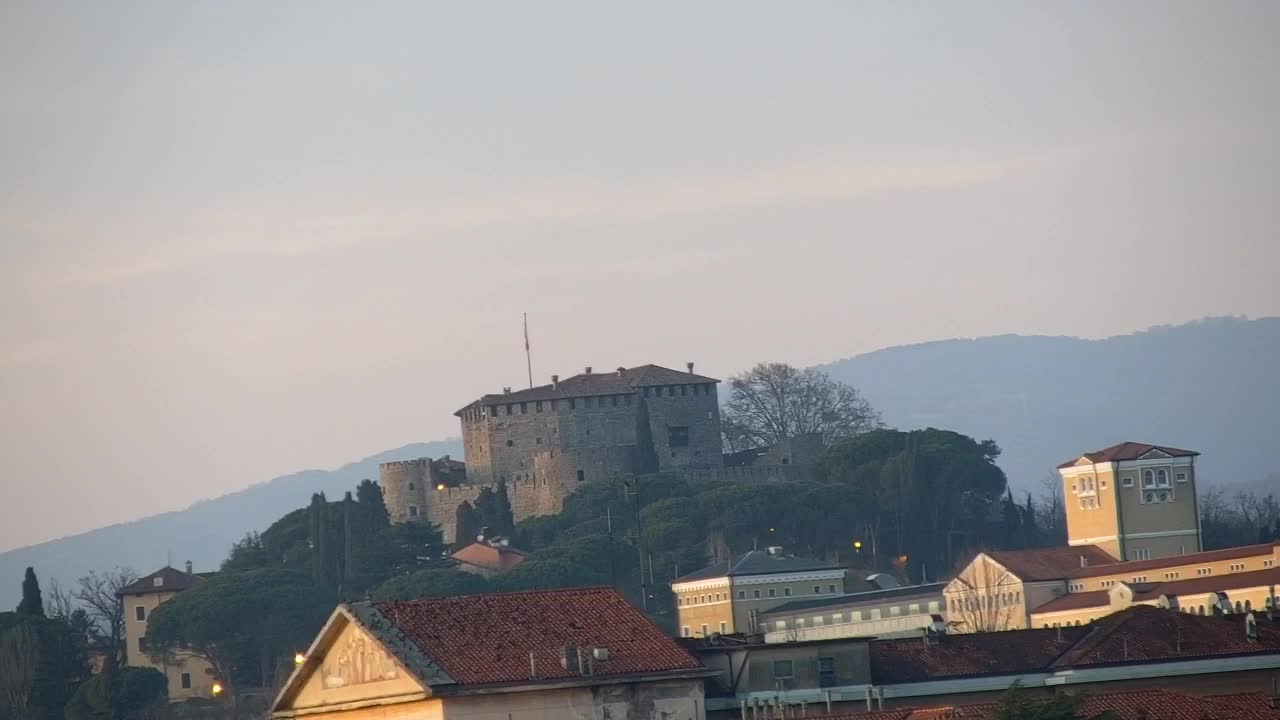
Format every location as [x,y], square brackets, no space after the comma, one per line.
[693,407]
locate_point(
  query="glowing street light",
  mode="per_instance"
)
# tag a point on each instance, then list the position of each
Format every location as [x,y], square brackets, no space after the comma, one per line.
[217,689]
[299,658]
[857,544]
[440,486]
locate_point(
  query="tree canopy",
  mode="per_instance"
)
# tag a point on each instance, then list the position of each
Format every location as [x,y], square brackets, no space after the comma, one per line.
[775,401]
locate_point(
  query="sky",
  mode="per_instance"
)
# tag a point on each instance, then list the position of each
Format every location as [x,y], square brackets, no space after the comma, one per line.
[239,239]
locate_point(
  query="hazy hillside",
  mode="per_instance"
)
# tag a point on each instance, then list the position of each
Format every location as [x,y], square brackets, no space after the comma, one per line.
[1212,386]
[202,533]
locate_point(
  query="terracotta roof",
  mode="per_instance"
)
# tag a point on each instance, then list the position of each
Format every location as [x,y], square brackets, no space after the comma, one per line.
[489,557]
[1011,652]
[618,382]
[1212,583]
[1053,563]
[1074,601]
[1244,551]
[758,562]
[171,580]
[487,639]
[1131,705]
[1138,634]
[1128,451]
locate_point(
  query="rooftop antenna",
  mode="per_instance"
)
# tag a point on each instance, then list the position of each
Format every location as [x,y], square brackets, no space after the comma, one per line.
[528,358]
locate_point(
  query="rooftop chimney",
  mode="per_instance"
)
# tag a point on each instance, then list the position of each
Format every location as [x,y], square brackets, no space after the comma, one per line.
[621,370]
[1084,561]
[1250,627]
[506,390]
[555,381]
[188,567]
[690,366]
[588,370]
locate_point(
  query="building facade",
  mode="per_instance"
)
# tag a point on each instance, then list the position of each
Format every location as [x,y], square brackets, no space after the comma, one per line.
[892,612]
[188,676]
[730,597]
[1134,500]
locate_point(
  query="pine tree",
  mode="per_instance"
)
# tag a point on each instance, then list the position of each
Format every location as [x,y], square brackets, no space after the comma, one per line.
[351,547]
[373,510]
[32,602]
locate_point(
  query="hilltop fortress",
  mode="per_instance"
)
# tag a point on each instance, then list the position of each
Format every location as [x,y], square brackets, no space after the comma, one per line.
[547,441]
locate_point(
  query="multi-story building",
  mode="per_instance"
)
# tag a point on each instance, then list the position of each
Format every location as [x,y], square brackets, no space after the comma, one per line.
[188,676]
[730,596]
[891,612]
[1134,500]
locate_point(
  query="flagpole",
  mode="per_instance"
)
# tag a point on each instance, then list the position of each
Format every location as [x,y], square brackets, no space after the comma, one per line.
[528,358]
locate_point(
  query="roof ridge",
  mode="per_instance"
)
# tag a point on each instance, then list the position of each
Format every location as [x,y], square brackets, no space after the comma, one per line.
[543,591]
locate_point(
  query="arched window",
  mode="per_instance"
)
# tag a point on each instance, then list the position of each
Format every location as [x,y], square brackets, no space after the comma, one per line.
[1201,611]
[1162,477]
[1148,478]
[1238,608]
[1248,606]
[1077,623]
[1271,602]
[1150,497]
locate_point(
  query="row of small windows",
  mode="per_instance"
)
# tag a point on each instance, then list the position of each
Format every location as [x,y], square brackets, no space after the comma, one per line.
[684,631]
[588,402]
[856,615]
[986,602]
[742,595]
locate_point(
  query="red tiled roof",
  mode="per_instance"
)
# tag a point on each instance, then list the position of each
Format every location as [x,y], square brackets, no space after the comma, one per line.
[1144,634]
[905,660]
[484,555]
[1214,583]
[1051,563]
[1244,551]
[1132,705]
[485,639]
[1074,601]
[1127,451]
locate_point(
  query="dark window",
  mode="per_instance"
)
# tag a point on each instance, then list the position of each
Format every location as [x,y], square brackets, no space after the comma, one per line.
[493,411]
[695,389]
[831,588]
[413,511]
[524,408]
[553,406]
[782,670]
[581,476]
[142,644]
[826,672]
[537,407]
[817,589]
[508,408]
[139,613]
[742,594]
[410,486]
[537,441]
[510,443]
[677,436]
[684,390]
[615,400]
[186,681]
[573,404]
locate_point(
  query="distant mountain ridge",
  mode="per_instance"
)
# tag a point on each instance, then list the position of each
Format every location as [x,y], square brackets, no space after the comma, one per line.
[1211,385]
[202,533]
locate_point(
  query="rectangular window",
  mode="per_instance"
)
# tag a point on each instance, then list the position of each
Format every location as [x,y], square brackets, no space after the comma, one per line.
[185,681]
[755,594]
[614,398]
[537,407]
[831,588]
[837,618]
[855,616]
[581,476]
[875,613]
[1127,482]
[695,389]
[786,591]
[524,408]
[684,631]
[773,593]
[1181,477]
[723,627]
[826,672]
[914,608]
[413,511]
[933,606]
[742,594]
[508,408]
[817,589]
[139,613]
[704,630]
[684,390]
[646,392]
[678,436]
[895,611]
[142,644]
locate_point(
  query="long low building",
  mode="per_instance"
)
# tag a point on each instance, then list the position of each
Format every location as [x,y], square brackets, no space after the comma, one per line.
[890,612]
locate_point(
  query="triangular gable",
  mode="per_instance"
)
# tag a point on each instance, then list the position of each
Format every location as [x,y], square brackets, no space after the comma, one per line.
[1084,460]
[975,576]
[1154,453]
[349,663]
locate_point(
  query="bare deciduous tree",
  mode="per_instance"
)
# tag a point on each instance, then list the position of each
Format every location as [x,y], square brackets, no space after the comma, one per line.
[775,401]
[982,598]
[1051,510]
[100,595]
[58,600]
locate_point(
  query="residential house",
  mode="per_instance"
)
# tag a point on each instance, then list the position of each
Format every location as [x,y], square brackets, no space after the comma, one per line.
[728,597]
[572,653]
[488,556]
[188,676]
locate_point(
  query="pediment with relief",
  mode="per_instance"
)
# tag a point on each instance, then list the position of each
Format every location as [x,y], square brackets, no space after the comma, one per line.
[1154,453]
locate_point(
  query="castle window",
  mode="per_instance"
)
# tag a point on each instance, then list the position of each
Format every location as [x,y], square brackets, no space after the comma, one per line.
[573,404]
[508,408]
[413,511]
[524,408]
[537,407]
[581,476]
[614,398]
[677,436]
[511,443]
[410,486]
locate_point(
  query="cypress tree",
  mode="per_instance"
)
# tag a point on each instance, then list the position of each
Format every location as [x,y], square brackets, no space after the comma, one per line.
[32,602]
[466,525]
[504,517]
[350,548]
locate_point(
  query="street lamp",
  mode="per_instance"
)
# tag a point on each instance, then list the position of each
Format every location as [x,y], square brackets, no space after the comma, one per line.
[217,689]
[299,658]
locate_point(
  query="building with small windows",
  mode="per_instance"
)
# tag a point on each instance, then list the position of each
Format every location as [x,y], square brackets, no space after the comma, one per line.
[731,597]
[892,612]
[1134,500]
[188,676]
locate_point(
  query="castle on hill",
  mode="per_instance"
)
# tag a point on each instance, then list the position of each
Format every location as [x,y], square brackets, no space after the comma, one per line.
[545,442]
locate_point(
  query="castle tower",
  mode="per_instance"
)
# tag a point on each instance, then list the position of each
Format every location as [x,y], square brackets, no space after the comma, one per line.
[405,487]
[1136,501]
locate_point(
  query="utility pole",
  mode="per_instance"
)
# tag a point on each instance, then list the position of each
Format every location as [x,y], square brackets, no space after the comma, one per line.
[633,489]
[528,357]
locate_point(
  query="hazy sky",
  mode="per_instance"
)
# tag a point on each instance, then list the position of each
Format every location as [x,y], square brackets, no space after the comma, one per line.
[241,239]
